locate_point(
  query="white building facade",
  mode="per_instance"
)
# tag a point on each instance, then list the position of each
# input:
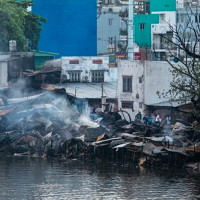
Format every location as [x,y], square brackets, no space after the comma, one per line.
[138,83]
[86,69]
[160,32]
[131,86]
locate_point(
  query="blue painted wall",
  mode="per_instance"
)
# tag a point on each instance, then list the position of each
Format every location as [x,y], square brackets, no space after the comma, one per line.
[71,28]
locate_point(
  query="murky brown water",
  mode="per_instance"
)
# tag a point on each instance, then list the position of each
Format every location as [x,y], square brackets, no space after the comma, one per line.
[29,178]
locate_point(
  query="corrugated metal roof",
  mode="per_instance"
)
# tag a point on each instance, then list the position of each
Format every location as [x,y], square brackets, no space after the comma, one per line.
[10,59]
[122,145]
[90,90]
[44,71]
[44,53]
[169,104]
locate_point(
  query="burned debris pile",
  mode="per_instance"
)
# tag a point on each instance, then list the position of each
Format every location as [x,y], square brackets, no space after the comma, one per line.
[44,125]
[48,125]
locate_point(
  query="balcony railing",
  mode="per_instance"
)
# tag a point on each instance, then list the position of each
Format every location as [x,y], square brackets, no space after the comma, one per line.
[123,37]
[187,4]
[164,46]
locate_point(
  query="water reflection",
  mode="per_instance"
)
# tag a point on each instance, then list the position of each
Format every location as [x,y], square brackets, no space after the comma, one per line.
[28,178]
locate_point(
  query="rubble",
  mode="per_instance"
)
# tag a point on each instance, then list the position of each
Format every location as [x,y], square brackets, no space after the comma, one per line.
[47,125]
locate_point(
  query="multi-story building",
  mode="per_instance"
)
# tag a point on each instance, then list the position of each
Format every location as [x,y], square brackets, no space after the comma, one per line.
[108,30]
[111,27]
[187,16]
[152,23]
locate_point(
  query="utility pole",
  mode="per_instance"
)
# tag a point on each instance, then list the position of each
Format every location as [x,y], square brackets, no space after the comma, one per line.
[130,30]
[115,43]
[103,99]
[75,91]
[102,90]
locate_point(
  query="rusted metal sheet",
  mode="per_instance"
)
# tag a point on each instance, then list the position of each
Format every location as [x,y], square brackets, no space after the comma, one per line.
[44,71]
[4,112]
[47,87]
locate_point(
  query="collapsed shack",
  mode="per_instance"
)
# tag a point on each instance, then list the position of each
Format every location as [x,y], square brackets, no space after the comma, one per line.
[48,125]
[170,146]
[164,156]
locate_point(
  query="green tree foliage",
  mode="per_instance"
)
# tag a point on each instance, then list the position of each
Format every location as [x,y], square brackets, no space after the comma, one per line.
[19,24]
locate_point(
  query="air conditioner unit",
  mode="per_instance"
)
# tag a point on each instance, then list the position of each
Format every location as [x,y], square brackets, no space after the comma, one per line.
[85,79]
[64,77]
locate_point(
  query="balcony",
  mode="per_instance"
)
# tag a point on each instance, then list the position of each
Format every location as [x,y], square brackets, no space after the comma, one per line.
[125,2]
[187,4]
[163,46]
[123,37]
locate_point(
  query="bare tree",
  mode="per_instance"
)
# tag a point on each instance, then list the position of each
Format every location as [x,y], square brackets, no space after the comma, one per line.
[185,61]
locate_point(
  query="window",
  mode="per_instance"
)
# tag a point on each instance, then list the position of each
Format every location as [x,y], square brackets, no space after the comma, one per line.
[142,26]
[74,62]
[110,40]
[127,104]
[110,21]
[127,83]
[177,18]
[196,19]
[140,104]
[162,18]
[181,17]
[97,76]
[98,61]
[74,76]
[140,79]
[162,55]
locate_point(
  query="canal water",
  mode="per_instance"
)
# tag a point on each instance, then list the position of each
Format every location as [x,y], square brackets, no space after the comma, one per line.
[25,178]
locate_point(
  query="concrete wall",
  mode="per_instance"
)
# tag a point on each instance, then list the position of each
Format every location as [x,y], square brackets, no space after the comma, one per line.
[3,73]
[85,66]
[157,77]
[113,74]
[136,70]
[165,18]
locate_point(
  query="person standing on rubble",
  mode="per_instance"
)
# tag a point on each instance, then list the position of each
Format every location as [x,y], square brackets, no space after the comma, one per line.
[158,119]
[168,120]
[150,121]
[145,118]
[138,116]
